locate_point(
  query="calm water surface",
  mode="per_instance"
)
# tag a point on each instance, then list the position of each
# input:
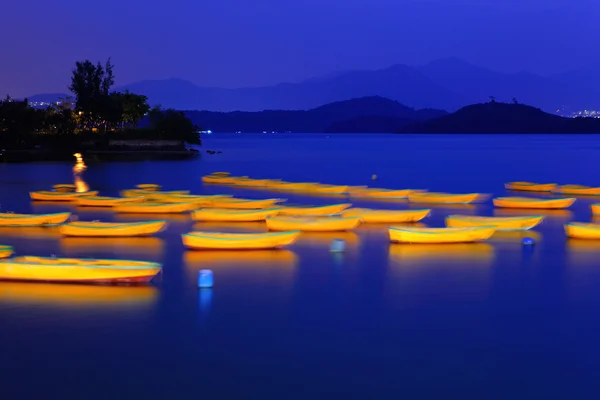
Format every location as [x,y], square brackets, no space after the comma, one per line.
[483,321]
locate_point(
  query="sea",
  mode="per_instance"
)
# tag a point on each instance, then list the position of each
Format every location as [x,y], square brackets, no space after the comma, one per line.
[493,320]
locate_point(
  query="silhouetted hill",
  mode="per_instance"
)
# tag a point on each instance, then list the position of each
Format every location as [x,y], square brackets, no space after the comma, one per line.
[496,117]
[318,119]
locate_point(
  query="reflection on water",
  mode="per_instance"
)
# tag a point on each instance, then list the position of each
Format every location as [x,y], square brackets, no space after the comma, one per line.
[516,212]
[42,207]
[261,267]
[582,274]
[325,238]
[210,226]
[515,236]
[30,232]
[401,252]
[76,296]
[150,246]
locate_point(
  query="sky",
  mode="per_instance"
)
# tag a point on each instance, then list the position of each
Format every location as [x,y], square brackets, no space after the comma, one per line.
[236,43]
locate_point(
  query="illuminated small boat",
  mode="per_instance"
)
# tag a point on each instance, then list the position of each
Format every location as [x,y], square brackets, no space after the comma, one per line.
[595,209]
[238,241]
[111,229]
[577,190]
[293,186]
[222,179]
[7,219]
[64,187]
[312,224]
[150,187]
[529,202]
[384,193]
[5,251]
[50,269]
[229,215]
[500,223]
[530,186]
[151,193]
[328,189]
[255,182]
[154,208]
[579,230]
[370,215]
[315,210]
[105,201]
[440,235]
[443,198]
[244,204]
[190,198]
[221,173]
[44,195]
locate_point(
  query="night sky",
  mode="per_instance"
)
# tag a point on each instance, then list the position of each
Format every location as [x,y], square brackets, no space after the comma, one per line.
[232,43]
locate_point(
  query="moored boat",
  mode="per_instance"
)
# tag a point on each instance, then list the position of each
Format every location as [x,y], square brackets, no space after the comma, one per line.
[530,186]
[443,198]
[8,219]
[64,187]
[244,204]
[314,210]
[384,193]
[105,201]
[88,270]
[238,241]
[5,251]
[190,198]
[369,215]
[328,189]
[440,235]
[154,208]
[530,202]
[45,195]
[293,186]
[232,215]
[577,190]
[111,229]
[312,224]
[148,186]
[153,193]
[500,223]
[580,230]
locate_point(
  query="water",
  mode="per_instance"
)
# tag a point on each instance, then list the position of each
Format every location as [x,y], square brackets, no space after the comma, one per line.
[484,321]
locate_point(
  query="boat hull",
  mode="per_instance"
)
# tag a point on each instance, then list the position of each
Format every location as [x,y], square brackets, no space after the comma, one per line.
[238,241]
[24,220]
[440,235]
[500,223]
[317,210]
[577,230]
[307,224]
[59,196]
[524,202]
[530,186]
[95,201]
[242,204]
[6,251]
[101,229]
[577,190]
[443,198]
[155,208]
[387,216]
[229,215]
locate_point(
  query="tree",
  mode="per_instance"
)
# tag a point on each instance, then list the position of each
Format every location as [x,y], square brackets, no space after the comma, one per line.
[514,100]
[492,99]
[135,107]
[173,125]
[91,86]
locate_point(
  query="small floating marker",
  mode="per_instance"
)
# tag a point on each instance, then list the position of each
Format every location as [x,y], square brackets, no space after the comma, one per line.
[528,242]
[205,278]
[374,177]
[337,246]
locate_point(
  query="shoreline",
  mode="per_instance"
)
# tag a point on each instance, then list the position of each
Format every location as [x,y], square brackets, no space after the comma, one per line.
[37,155]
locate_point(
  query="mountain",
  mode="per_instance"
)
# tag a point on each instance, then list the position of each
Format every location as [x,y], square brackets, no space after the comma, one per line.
[496,117]
[320,119]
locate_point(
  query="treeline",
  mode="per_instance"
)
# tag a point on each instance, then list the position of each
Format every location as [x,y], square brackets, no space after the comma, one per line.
[94,116]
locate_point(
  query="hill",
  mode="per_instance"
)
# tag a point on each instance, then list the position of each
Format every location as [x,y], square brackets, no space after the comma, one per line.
[496,117]
[320,119]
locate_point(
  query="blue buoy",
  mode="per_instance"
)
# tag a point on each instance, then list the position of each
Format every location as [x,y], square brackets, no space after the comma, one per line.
[337,246]
[205,278]
[528,242]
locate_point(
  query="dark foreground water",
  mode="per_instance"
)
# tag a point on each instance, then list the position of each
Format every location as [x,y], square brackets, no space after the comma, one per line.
[480,321]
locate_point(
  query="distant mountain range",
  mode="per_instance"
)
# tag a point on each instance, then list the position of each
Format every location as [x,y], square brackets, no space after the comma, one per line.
[365,115]
[447,84]
[497,117]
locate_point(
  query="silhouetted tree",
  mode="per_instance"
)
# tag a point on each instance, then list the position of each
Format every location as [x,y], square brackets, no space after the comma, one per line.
[514,100]
[91,86]
[492,99]
[173,125]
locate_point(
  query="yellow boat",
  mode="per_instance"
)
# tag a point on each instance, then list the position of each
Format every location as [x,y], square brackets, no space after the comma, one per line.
[500,223]
[153,193]
[221,173]
[105,201]
[440,235]
[384,193]
[154,208]
[64,187]
[529,202]
[530,186]
[370,215]
[315,210]
[151,187]
[333,189]
[579,230]
[238,241]
[443,198]
[5,251]
[244,204]
[577,190]
[312,224]
[50,269]
[595,209]
[229,215]
[293,186]
[59,196]
[111,229]
[190,198]
[7,219]
[222,179]
[255,182]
